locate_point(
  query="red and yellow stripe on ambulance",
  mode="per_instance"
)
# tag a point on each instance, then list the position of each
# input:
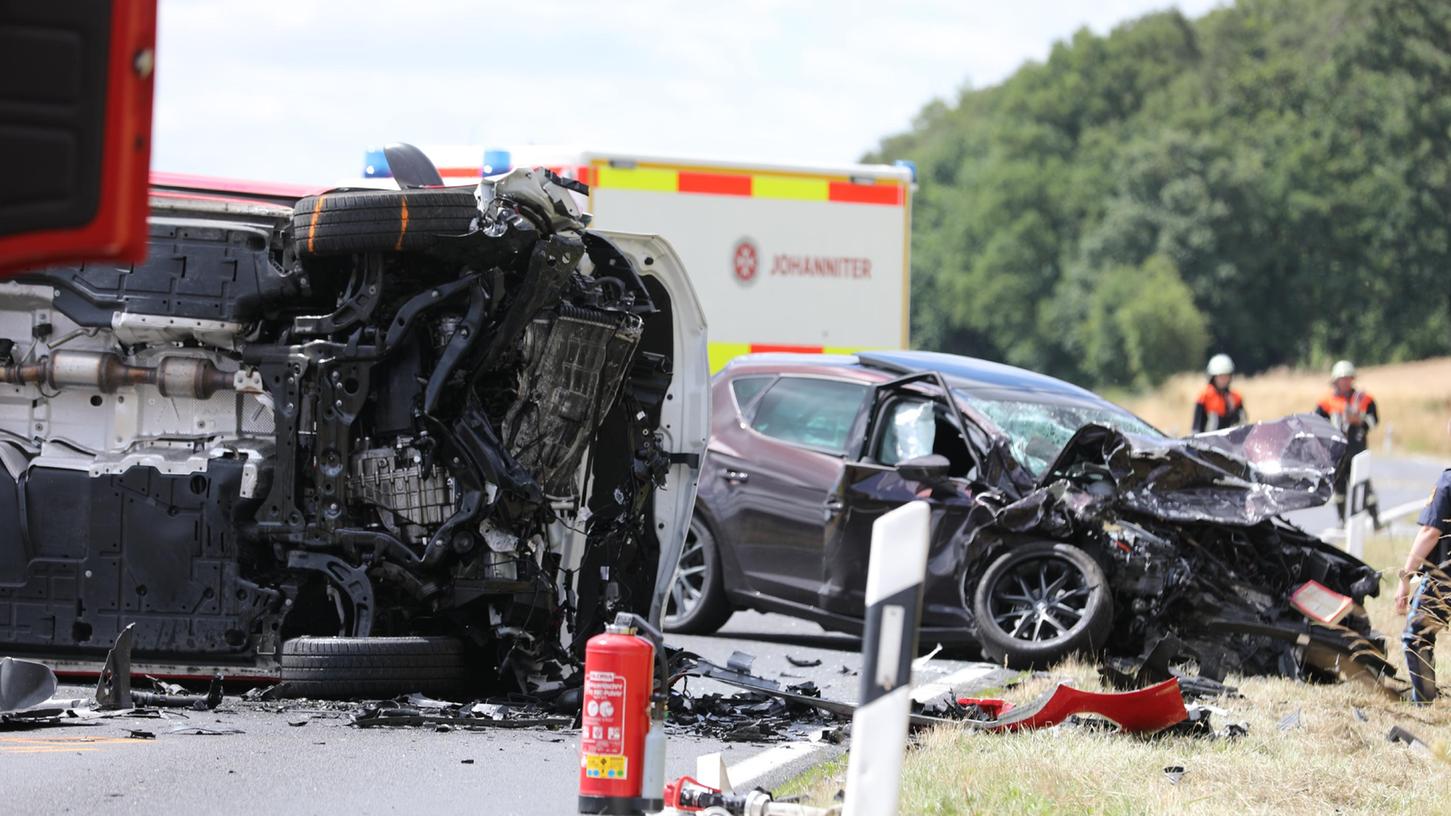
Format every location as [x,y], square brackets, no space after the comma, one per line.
[782,259]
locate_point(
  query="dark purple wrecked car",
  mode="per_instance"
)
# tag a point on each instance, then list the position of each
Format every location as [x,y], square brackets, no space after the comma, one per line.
[1061,522]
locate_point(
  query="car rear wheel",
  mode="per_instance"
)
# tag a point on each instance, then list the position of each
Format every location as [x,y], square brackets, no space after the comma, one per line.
[1038,603]
[372,667]
[697,604]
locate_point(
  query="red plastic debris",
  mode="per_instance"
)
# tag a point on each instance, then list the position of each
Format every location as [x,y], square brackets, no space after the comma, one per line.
[1144,711]
[991,706]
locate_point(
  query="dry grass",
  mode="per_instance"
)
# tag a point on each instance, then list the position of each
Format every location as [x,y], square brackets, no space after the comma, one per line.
[1414,400]
[1332,763]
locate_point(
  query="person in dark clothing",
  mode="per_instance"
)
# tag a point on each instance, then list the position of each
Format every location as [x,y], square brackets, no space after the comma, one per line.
[1218,406]
[1354,414]
[1426,608]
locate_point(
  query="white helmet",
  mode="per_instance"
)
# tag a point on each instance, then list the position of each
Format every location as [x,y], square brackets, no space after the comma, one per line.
[1220,364]
[1342,368]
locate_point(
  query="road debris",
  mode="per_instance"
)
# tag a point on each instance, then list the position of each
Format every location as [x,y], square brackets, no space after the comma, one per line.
[803,662]
[740,661]
[1399,734]
[1290,721]
[748,716]
[1147,710]
[24,684]
[441,715]
[1198,722]
[204,731]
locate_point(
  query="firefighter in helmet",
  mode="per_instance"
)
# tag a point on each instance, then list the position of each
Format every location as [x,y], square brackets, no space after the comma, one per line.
[1218,406]
[1354,414]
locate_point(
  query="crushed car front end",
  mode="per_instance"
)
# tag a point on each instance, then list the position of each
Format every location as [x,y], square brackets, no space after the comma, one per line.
[1201,572]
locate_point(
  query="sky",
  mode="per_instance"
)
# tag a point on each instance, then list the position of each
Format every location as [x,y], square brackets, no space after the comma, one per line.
[296,90]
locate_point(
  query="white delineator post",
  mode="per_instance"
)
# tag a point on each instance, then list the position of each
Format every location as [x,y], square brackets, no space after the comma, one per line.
[893,611]
[1357,520]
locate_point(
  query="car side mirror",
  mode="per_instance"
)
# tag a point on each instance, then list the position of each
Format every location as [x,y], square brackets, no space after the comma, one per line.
[925,469]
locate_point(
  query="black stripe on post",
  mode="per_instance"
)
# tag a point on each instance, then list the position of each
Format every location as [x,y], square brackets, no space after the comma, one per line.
[909,600]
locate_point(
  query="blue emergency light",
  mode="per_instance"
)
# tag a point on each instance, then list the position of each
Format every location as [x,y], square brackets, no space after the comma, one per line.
[375,164]
[496,162]
[910,165]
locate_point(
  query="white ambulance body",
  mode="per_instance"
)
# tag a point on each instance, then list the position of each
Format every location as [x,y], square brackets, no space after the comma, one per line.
[783,258]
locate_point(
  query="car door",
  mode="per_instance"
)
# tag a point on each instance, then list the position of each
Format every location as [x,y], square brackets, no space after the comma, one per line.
[77,131]
[906,422]
[778,478]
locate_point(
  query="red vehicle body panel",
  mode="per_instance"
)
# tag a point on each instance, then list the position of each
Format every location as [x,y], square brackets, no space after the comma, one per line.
[118,229]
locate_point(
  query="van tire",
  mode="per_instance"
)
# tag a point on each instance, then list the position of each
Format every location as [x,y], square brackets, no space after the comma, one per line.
[373,667]
[353,221]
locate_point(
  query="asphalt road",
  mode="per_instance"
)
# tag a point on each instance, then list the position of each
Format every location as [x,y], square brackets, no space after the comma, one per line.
[327,766]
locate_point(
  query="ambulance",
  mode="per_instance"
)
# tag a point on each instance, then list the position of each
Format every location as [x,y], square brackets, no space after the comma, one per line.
[783,257]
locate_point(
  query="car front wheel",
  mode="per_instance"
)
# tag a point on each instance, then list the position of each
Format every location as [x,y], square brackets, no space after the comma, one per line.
[697,604]
[1038,603]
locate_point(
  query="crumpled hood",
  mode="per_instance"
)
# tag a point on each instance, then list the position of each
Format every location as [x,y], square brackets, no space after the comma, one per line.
[1242,475]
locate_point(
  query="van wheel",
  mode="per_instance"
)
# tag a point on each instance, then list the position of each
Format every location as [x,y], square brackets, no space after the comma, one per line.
[373,667]
[352,221]
[1038,603]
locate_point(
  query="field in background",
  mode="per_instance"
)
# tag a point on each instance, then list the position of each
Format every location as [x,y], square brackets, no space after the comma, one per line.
[1332,762]
[1414,400]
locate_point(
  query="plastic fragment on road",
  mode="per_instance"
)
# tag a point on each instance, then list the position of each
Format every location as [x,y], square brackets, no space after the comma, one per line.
[471,717]
[989,709]
[1318,602]
[1399,734]
[1145,711]
[24,684]
[1199,724]
[204,731]
[803,662]
[1290,721]
[740,661]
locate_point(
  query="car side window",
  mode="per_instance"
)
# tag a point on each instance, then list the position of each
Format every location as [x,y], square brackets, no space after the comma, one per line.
[911,427]
[908,431]
[814,413]
[747,389]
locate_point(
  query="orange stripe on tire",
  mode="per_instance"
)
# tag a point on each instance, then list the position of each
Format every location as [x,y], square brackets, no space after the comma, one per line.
[402,224]
[312,225]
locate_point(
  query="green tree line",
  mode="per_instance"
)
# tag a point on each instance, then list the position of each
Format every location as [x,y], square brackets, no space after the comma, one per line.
[1272,180]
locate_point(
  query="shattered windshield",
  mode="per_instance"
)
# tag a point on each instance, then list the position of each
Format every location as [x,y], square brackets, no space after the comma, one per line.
[1038,426]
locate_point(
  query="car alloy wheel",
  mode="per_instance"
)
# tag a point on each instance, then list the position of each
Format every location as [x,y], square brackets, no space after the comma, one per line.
[692,576]
[1041,600]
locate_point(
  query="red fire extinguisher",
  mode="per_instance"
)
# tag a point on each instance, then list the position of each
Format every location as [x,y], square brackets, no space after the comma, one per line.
[622,733]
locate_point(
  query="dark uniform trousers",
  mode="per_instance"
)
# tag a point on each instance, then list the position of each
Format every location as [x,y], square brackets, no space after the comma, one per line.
[1429,612]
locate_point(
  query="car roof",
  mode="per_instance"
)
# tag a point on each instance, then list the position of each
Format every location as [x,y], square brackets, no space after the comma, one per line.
[967,373]
[972,374]
[775,362]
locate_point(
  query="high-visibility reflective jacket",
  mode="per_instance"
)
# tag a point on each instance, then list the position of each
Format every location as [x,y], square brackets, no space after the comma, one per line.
[1353,413]
[1216,409]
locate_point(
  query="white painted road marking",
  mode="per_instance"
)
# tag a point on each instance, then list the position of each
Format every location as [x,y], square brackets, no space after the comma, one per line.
[743,775]
[927,691]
